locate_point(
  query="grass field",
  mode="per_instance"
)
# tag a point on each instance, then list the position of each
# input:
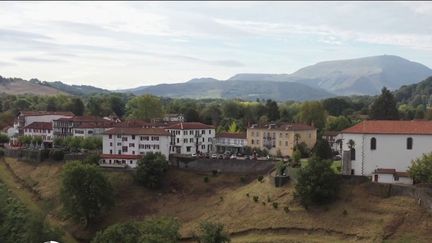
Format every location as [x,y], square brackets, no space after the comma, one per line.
[225,199]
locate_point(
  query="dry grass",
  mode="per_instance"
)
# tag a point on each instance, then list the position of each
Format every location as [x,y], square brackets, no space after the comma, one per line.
[223,199]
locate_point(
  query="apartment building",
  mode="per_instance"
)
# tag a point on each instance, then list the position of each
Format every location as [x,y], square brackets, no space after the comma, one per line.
[191,138]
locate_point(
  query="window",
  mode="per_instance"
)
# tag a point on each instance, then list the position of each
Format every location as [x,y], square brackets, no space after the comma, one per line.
[133,137]
[252,141]
[373,144]
[110,143]
[396,177]
[124,149]
[209,131]
[146,138]
[188,149]
[252,134]
[191,140]
[155,138]
[185,140]
[124,139]
[118,144]
[141,146]
[286,143]
[90,132]
[203,146]
[409,143]
[190,132]
[132,145]
[202,131]
[110,151]
[257,141]
[119,136]
[353,154]
[178,140]
[209,139]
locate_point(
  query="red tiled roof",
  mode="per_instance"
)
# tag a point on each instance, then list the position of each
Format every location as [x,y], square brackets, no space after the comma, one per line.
[391,172]
[83,119]
[96,125]
[46,113]
[190,125]
[119,156]
[285,127]
[39,125]
[240,135]
[137,131]
[391,127]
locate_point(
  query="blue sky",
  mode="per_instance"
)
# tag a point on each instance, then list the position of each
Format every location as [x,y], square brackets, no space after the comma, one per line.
[119,45]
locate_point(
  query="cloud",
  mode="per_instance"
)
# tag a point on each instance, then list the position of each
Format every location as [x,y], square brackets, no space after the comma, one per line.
[38,60]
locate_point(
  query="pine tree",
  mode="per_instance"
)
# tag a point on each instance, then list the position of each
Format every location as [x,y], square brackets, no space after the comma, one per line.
[384,107]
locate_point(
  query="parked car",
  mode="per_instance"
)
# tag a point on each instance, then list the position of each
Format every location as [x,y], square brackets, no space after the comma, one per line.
[207,156]
[194,155]
[214,156]
[233,157]
[248,157]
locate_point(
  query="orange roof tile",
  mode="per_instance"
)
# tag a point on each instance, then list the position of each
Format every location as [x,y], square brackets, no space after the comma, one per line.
[137,131]
[391,127]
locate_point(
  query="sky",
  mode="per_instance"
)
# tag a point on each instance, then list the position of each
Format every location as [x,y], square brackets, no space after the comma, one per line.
[119,45]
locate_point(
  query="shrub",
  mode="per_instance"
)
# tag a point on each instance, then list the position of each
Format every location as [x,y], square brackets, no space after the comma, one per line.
[92,159]
[260,178]
[151,170]
[247,194]
[344,213]
[264,203]
[214,172]
[268,199]
[212,233]
[2,152]
[323,149]
[255,198]
[206,179]
[275,205]
[242,179]
[317,183]
[286,209]
[56,154]
[421,169]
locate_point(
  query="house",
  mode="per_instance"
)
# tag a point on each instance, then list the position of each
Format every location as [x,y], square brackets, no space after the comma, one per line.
[232,142]
[333,139]
[40,129]
[79,125]
[25,118]
[173,118]
[123,147]
[280,139]
[385,148]
[190,138]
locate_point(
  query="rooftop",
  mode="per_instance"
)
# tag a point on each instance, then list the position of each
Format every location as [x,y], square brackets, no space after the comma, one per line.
[284,127]
[419,127]
[46,113]
[137,131]
[82,119]
[190,125]
[39,125]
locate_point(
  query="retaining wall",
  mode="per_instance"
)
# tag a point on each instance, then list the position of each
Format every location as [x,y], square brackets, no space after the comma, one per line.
[229,166]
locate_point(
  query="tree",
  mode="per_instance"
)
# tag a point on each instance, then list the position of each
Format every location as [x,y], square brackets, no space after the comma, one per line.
[146,107]
[323,150]
[76,106]
[117,105]
[338,123]
[162,230]
[272,110]
[26,140]
[317,183]
[233,128]
[3,138]
[85,192]
[313,113]
[191,115]
[384,107]
[212,233]
[421,169]
[151,170]
[336,106]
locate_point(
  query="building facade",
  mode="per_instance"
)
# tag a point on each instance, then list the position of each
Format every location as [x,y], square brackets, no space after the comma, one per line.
[67,126]
[123,147]
[378,147]
[280,139]
[191,138]
[40,129]
[25,118]
[231,142]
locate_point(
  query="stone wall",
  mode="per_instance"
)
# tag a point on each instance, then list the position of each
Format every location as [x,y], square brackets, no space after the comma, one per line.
[229,166]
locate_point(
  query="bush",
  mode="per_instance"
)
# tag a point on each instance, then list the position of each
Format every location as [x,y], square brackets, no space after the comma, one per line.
[255,198]
[92,159]
[260,178]
[85,193]
[268,199]
[2,152]
[421,169]
[3,138]
[56,154]
[275,205]
[247,194]
[242,179]
[212,233]
[286,209]
[162,230]
[264,203]
[214,172]
[206,179]
[344,213]
[323,149]
[317,183]
[151,170]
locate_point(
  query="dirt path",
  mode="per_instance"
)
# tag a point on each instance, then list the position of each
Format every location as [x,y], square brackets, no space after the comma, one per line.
[28,197]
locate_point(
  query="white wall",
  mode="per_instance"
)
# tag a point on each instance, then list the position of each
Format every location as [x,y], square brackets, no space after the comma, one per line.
[117,144]
[391,151]
[205,139]
[45,118]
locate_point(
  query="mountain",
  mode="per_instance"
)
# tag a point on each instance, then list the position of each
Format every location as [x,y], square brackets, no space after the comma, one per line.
[415,94]
[248,90]
[75,89]
[363,76]
[34,86]
[16,86]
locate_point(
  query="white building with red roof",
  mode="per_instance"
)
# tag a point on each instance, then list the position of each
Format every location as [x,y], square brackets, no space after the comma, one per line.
[191,138]
[40,129]
[123,146]
[385,149]
[231,142]
[25,118]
